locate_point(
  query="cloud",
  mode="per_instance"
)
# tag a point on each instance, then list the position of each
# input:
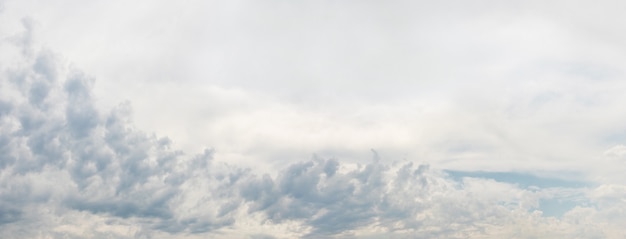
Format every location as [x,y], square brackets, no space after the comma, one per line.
[71,169]
[491,86]
[66,161]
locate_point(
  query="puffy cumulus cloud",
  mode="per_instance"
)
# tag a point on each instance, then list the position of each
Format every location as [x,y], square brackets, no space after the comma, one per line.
[521,84]
[69,169]
[60,153]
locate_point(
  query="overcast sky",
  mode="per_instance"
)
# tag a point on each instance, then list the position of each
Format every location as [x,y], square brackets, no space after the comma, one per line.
[318,119]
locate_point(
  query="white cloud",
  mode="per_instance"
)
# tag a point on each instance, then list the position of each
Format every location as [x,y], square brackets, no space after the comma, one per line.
[470,87]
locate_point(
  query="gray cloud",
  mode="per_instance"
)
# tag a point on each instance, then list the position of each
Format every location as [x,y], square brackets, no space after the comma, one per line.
[63,153]
[69,169]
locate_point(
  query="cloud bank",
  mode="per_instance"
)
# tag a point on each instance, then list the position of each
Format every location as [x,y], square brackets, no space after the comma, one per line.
[521,85]
[69,169]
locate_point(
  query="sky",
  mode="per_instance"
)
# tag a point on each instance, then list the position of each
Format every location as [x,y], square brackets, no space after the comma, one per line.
[312,119]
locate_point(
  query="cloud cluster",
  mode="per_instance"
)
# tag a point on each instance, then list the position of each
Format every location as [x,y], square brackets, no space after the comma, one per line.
[522,85]
[71,170]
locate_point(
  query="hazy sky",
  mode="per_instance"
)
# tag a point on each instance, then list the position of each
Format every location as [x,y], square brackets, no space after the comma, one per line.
[320,119]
